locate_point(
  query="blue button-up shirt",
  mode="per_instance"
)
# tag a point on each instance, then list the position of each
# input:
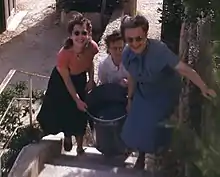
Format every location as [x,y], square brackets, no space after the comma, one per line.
[153,70]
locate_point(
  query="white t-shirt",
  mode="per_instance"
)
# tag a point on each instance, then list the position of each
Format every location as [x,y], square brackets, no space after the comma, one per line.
[109,73]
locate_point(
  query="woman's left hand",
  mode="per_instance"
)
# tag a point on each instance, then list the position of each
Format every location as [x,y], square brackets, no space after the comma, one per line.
[90,84]
[124,83]
[208,93]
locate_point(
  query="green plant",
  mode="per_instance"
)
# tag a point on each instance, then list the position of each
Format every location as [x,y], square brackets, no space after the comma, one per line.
[12,118]
[200,153]
[24,136]
[195,145]
[15,117]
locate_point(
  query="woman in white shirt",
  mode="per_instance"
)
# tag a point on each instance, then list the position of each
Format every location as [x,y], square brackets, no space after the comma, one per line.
[111,69]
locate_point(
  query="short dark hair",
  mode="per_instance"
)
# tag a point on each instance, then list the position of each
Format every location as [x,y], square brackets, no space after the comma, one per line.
[134,22]
[113,37]
[78,19]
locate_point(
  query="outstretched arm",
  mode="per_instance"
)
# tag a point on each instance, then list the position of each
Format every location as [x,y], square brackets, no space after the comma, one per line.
[91,83]
[63,69]
[173,61]
[64,72]
[192,75]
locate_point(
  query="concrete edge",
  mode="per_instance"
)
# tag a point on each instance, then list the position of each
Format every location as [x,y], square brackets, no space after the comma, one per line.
[15,20]
[30,161]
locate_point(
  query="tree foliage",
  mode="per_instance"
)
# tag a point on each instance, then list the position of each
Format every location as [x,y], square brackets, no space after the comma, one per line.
[199,154]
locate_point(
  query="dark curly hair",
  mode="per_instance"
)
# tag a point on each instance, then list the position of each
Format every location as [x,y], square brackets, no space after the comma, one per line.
[78,19]
[113,37]
[134,22]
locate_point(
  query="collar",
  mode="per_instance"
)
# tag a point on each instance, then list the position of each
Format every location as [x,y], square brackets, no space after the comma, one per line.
[134,55]
[112,62]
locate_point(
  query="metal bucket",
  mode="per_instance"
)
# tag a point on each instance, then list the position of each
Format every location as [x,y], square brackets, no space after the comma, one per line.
[107,110]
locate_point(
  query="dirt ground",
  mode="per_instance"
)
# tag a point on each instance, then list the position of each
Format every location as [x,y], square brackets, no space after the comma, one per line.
[33,46]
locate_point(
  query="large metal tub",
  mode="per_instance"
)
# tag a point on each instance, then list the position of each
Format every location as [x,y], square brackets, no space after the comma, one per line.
[107,111]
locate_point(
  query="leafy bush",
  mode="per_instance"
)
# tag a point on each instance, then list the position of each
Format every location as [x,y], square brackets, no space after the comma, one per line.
[197,155]
[25,134]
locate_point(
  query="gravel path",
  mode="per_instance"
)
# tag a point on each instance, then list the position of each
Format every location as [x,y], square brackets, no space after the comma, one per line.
[149,9]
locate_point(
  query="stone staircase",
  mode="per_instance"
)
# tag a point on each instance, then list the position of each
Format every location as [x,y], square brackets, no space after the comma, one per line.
[48,159]
[91,164]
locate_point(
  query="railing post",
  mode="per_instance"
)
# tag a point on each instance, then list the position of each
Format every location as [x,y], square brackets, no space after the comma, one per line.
[30,99]
[1,167]
[103,7]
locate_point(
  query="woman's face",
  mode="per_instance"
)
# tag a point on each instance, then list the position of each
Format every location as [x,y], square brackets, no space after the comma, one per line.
[80,36]
[136,39]
[115,50]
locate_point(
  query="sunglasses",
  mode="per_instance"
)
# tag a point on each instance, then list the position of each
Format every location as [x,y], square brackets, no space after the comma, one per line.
[132,39]
[83,33]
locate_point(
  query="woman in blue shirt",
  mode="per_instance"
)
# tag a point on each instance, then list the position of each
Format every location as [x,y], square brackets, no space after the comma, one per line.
[154,84]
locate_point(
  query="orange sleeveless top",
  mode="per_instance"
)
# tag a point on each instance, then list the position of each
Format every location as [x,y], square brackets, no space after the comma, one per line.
[77,64]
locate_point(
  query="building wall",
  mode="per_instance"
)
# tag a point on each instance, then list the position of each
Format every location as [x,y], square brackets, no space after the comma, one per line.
[7,10]
[2,17]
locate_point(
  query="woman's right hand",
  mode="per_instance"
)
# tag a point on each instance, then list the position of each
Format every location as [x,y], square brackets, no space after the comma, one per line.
[81,105]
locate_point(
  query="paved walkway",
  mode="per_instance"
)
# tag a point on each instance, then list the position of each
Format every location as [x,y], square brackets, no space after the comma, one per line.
[36,42]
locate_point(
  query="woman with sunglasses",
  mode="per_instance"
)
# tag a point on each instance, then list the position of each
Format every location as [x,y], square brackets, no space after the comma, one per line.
[111,70]
[63,106]
[154,85]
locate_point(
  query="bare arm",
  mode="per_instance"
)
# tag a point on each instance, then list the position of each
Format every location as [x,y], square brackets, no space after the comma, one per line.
[95,50]
[64,72]
[91,73]
[130,87]
[173,61]
[130,91]
[190,74]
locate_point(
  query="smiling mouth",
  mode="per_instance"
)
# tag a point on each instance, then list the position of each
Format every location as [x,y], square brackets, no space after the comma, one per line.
[81,41]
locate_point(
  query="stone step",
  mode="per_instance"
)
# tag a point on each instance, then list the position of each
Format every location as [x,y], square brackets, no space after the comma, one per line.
[91,164]
[66,171]
[16,20]
[93,157]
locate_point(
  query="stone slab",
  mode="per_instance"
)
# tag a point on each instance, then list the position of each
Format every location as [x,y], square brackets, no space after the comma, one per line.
[32,158]
[92,164]
[16,20]
[65,171]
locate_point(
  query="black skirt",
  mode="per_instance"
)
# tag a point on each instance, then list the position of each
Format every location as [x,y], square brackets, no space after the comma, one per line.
[59,112]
